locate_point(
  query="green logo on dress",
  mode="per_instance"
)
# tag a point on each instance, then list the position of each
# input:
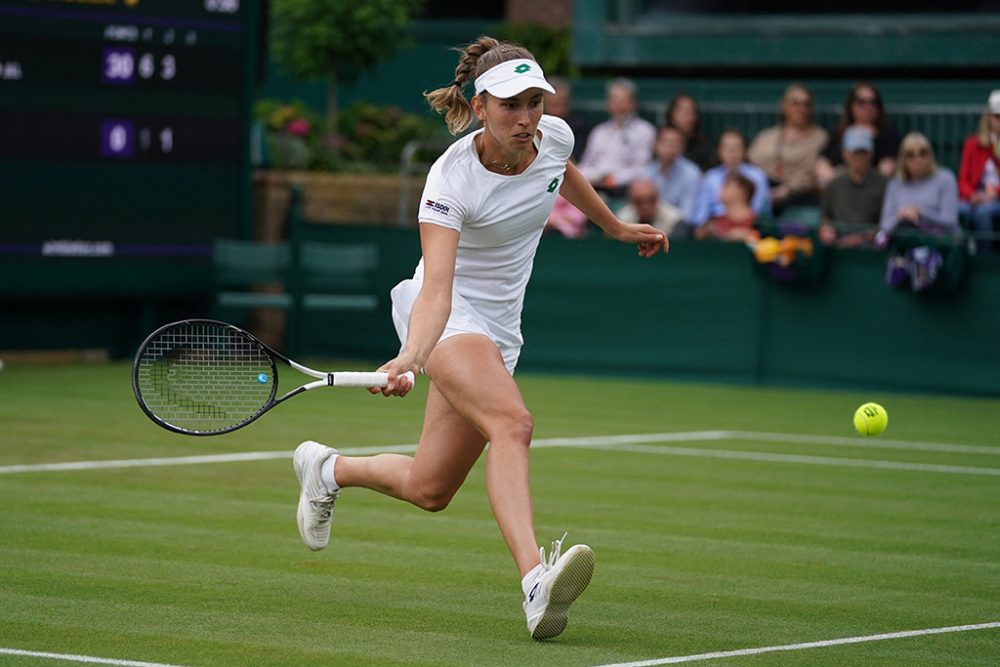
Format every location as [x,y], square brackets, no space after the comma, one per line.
[522,68]
[553,185]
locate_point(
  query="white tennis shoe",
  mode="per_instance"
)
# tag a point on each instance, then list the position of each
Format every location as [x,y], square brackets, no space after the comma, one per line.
[315,502]
[562,581]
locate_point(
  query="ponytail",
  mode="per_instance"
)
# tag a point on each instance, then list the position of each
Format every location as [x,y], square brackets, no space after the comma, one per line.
[449,99]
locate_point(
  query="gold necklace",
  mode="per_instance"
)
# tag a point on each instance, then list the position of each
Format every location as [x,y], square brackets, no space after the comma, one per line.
[506,166]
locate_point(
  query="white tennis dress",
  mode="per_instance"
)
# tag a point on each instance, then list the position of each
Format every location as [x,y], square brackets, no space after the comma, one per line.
[500,220]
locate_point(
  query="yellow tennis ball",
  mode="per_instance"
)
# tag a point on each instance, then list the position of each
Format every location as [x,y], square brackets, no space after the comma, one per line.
[871,419]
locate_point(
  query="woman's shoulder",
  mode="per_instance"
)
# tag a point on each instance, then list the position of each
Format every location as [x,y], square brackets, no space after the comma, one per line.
[768,134]
[973,143]
[819,133]
[945,175]
[554,124]
[456,165]
[558,131]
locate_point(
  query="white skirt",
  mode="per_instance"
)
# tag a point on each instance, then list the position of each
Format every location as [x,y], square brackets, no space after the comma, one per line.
[463,320]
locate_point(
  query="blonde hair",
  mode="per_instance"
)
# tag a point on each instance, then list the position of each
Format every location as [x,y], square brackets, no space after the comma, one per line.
[984,129]
[476,59]
[913,141]
[791,90]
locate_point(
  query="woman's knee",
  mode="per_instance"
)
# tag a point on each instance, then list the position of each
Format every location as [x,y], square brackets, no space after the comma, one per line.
[524,427]
[514,426]
[431,497]
[982,217]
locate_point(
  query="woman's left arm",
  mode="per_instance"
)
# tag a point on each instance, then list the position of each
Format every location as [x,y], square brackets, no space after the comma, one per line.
[580,193]
[949,201]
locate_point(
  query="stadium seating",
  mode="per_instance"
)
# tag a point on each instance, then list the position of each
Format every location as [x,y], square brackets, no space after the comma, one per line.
[295,277]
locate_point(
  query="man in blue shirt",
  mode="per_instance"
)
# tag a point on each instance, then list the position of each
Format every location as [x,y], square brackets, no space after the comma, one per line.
[676,177]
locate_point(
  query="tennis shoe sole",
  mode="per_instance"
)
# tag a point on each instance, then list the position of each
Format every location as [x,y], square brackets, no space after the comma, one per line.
[561,586]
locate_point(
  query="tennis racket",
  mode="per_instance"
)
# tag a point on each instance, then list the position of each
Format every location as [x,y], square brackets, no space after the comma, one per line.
[204,377]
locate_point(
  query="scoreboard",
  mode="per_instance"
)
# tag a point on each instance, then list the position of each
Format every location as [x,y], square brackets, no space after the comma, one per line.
[124,125]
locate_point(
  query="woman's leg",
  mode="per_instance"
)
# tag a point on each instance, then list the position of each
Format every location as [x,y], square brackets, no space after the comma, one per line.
[472,399]
[447,450]
[469,371]
[982,222]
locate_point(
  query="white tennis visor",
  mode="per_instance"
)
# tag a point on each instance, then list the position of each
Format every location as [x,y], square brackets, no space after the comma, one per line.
[513,77]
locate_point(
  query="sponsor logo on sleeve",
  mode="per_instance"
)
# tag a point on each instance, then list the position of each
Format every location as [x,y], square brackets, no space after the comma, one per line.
[437,207]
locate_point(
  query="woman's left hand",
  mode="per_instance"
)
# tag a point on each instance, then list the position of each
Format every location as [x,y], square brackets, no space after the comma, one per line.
[649,238]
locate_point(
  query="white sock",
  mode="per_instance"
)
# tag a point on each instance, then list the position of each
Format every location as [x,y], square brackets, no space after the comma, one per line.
[529,579]
[326,474]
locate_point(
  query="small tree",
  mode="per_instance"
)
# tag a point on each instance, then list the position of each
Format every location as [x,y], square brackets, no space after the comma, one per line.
[337,40]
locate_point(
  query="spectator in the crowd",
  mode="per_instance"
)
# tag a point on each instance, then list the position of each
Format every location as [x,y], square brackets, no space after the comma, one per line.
[560,103]
[921,194]
[684,113]
[618,149]
[566,219]
[737,220]
[852,203]
[645,206]
[862,107]
[676,177]
[979,174]
[732,154]
[788,151]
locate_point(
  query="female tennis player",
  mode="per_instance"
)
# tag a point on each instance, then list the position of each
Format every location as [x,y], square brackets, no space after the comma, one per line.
[484,208]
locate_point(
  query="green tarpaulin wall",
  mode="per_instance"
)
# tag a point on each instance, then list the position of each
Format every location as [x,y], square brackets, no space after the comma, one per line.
[593,307]
[704,313]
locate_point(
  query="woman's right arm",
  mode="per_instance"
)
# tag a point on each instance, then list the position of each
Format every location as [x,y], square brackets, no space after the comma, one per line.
[431,308]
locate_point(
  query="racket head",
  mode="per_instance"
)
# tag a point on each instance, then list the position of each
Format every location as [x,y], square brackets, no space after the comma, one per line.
[203,377]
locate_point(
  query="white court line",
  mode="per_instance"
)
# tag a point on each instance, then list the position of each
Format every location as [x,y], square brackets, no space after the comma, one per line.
[630,443]
[186,460]
[806,645]
[356,451]
[82,658]
[870,443]
[765,457]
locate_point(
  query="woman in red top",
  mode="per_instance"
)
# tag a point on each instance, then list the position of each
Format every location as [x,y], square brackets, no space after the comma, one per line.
[979,175]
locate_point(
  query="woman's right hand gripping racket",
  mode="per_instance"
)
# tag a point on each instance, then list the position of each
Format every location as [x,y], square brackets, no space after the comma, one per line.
[204,377]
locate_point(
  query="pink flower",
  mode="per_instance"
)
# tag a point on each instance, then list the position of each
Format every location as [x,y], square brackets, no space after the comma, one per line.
[299,127]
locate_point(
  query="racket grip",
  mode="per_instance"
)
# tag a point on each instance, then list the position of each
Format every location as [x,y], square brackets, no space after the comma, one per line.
[355,379]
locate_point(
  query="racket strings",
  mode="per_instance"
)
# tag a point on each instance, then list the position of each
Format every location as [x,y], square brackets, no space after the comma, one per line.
[205,377]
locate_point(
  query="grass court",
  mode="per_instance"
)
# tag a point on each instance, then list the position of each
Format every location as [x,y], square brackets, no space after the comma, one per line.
[723,518]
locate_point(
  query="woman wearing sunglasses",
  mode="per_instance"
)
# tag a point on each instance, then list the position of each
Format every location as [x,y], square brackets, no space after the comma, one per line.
[921,194]
[863,106]
[788,151]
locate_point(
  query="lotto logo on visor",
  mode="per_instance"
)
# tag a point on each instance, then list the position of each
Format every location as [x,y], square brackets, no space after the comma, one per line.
[513,78]
[437,207]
